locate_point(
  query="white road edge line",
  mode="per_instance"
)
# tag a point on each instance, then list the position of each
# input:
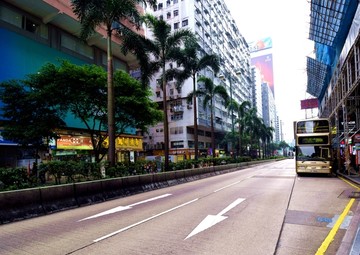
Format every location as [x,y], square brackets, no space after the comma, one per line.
[143,221]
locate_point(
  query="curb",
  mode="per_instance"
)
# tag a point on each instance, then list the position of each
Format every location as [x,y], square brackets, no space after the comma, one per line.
[350,244]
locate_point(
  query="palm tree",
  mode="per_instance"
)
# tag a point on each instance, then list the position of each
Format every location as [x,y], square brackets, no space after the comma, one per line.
[283,145]
[95,13]
[266,136]
[193,64]
[154,54]
[252,126]
[209,92]
[232,106]
[241,110]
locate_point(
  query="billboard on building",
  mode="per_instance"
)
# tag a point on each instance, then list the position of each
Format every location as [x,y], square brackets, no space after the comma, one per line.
[261,44]
[264,64]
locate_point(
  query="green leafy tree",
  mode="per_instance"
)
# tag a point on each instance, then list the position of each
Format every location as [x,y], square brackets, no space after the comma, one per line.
[154,55]
[192,63]
[83,90]
[209,92]
[30,115]
[86,86]
[96,13]
[283,145]
[133,106]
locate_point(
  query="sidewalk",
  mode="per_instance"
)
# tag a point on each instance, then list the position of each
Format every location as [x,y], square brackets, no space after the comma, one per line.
[350,244]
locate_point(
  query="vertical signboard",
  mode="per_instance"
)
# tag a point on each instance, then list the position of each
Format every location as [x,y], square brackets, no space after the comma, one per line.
[264,64]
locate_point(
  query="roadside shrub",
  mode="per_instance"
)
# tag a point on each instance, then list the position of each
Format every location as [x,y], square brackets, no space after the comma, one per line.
[14,178]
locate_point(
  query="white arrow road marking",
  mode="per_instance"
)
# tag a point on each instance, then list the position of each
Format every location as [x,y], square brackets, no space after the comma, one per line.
[123,208]
[212,220]
[143,221]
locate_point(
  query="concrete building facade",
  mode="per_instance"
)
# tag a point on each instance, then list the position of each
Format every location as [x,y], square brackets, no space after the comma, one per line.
[33,33]
[334,74]
[218,34]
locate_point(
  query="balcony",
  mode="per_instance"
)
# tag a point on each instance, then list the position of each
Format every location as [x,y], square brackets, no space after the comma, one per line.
[177,108]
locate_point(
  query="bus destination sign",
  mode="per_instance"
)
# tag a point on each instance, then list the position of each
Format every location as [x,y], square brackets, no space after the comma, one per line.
[313,140]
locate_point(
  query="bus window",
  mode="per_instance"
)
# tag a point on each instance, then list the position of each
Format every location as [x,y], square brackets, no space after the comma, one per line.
[325,153]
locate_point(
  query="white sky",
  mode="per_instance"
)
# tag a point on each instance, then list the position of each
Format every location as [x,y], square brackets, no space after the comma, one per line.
[287,23]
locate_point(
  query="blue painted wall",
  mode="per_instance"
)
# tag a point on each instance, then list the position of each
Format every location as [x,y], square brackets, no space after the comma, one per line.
[22,56]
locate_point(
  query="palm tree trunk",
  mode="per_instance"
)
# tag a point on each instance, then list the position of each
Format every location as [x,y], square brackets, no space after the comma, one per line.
[212,130]
[166,123]
[111,102]
[196,138]
[239,149]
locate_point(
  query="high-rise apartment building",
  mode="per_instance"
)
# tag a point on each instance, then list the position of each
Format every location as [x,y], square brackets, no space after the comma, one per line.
[268,106]
[262,61]
[257,97]
[218,34]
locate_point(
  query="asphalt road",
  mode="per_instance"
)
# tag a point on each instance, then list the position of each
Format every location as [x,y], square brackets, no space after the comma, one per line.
[264,209]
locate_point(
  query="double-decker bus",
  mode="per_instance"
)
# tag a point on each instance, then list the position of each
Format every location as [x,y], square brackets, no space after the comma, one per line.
[313,146]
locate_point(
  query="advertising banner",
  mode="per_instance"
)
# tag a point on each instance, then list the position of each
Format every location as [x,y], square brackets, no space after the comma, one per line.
[68,142]
[264,64]
[262,44]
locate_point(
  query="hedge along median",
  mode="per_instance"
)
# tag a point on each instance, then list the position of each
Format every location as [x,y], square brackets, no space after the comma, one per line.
[28,203]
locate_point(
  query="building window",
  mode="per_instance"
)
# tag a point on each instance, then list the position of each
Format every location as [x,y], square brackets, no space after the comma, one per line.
[158,94]
[161,17]
[119,65]
[23,22]
[176,13]
[11,17]
[177,116]
[168,15]
[30,26]
[176,130]
[177,144]
[168,2]
[160,6]
[185,22]
[191,144]
[175,1]
[176,25]
[76,45]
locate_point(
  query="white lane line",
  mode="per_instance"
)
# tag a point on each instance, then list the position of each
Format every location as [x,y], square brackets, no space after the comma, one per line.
[227,186]
[123,208]
[143,221]
[212,220]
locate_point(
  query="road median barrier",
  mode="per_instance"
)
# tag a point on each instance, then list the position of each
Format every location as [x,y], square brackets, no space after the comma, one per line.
[28,203]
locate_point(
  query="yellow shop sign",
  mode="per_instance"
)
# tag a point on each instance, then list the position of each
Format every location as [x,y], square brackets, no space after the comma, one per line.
[126,143]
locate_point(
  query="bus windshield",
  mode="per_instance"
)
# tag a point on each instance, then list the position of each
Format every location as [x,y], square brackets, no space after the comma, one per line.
[313,153]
